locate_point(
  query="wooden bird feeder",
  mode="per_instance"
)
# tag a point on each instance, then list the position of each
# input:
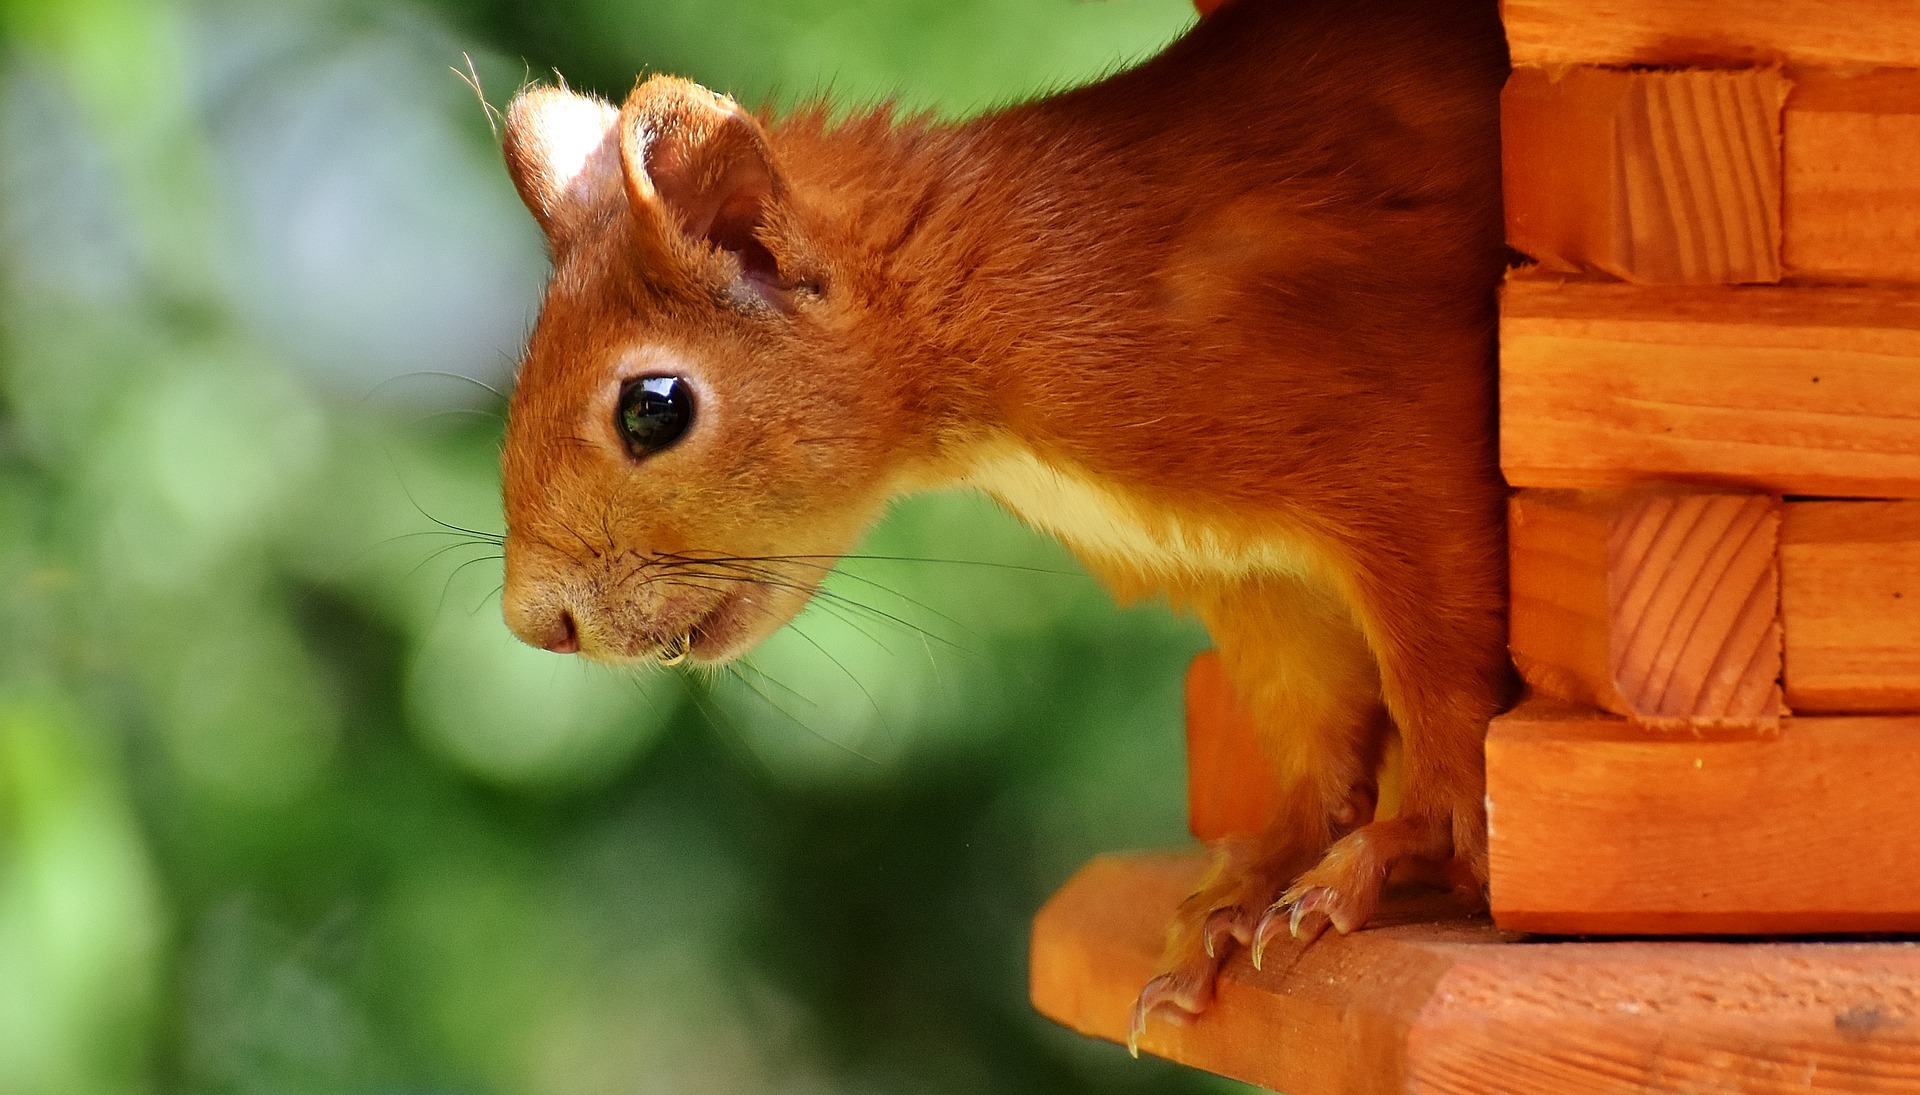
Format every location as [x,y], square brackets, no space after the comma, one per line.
[1710,411]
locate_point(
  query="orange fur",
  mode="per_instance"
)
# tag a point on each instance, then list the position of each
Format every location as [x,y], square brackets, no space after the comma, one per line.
[1222,322]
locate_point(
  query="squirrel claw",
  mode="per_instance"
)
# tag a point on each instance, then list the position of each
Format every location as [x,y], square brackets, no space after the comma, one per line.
[1309,918]
[1222,924]
[1166,995]
[1302,916]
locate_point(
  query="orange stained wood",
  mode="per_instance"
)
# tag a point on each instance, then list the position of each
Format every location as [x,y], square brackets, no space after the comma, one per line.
[1658,177]
[1796,390]
[1658,603]
[1230,784]
[1436,1001]
[1831,33]
[1850,602]
[1852,177]
[1600,826]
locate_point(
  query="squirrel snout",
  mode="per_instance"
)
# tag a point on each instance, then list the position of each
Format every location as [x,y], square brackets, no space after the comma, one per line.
[547,626]
[539,615]
[536,603]
[564,641]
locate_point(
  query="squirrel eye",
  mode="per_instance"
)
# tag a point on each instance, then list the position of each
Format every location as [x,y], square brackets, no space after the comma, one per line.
[652,413]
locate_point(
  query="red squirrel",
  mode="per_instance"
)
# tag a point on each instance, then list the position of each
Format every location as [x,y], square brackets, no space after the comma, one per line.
[1222,323]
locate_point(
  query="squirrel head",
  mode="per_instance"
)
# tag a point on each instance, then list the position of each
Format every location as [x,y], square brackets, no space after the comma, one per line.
[697,431]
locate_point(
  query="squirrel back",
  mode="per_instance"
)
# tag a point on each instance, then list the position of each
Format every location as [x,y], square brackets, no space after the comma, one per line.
[1227,311]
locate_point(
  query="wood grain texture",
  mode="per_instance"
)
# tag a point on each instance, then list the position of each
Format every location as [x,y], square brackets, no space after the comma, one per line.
[1328,1018]
[1851,177]
[1657,604]
[1795,390]
[1592,1018]
[1231,788]
[1434,1001]
[1599,826]
[1661,177]
[1857,33]
[1850,604]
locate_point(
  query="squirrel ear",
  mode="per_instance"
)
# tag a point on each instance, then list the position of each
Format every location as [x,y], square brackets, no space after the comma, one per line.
[699,168]
[563,153]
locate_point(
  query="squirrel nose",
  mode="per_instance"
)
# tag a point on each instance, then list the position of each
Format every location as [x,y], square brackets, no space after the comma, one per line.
[566,638]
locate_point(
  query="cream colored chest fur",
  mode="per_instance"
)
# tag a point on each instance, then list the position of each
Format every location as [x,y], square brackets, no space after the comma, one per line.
[1098,520]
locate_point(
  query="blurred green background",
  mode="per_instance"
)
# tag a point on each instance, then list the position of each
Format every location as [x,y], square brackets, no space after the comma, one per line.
[283,809]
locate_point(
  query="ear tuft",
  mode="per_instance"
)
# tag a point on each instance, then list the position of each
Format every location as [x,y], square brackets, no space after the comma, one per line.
[699,168]
[563,153]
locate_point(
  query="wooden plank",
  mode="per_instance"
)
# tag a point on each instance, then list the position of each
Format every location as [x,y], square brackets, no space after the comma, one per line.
[1433,1001]
[1655,177]
[1231,787]
[1599,826]
[1680,177]
[1692,1017]
[1850,603]
[1658,604]
[1852,177]
[1329,1018]
[1794,390]
[1856,33]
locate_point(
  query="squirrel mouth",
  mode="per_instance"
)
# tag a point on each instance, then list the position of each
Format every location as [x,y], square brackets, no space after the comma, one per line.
[676,649]
[714,634]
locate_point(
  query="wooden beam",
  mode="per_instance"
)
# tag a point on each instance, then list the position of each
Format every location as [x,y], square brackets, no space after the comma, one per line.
[1794,390]
[1858,33]
[1430,1000]
[1658,604]
[1329,1018]
[1700,176]
[1852,177]
[1655,177]
[1598,826]
[1850,603]
[1231,787]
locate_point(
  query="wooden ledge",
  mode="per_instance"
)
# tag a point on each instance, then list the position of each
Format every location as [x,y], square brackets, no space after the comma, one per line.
[1433,1001]
[1599,826]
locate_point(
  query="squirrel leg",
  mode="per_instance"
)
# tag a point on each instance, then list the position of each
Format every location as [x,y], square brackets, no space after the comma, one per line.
[1299,664]
[1444,674]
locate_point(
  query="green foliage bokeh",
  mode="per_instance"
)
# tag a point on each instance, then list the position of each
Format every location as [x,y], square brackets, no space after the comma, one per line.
[283,807]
